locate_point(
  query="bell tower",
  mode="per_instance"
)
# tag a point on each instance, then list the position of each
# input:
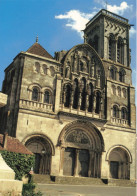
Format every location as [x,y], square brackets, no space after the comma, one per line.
[108,34]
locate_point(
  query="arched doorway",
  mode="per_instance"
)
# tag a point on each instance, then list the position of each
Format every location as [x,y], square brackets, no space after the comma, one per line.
[119,162]
[42,151]
[81,146]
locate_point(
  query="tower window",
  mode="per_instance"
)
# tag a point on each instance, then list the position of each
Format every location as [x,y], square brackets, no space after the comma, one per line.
[113,72]
[124,113]
[112,47]
[122,74]
[47,97]
[120,51]
[35,94]
[115,111]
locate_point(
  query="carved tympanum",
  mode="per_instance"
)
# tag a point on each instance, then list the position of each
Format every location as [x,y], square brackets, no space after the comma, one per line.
[77,136]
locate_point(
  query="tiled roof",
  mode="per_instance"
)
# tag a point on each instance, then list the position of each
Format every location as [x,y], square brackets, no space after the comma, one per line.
[13,145]
[37,49]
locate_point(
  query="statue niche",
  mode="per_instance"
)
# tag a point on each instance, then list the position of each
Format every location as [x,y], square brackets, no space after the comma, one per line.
[83,65]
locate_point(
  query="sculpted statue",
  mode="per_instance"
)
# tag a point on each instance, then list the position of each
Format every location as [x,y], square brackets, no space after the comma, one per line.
[67,74]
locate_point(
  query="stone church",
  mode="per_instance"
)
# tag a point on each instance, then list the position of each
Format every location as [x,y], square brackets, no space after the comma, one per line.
[76,111]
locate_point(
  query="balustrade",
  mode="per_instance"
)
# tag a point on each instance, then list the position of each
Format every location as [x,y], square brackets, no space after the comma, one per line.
[34,105]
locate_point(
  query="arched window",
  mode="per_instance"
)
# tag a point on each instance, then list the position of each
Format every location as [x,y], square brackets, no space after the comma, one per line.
[120,51]
[90,109]
[35,94]
[115,111]
[124,113]
[124,93]
[52,71]
[83,94]
[76,96]
[113,72]
[97,103]
[37,67]
[119,91]
[122,74]
[113,90]
[68,96]
[112,47]
[44,69]
[47,97]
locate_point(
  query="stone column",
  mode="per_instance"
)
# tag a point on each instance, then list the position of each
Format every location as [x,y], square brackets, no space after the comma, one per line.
[98,165]
[87,104]
[71,99]
[57,93]
[94,172]
[125,54]
[94,104]
[92,70]
[101,108]
[79,102]
[76,163]
[90,163]
[116,50]
[61,160]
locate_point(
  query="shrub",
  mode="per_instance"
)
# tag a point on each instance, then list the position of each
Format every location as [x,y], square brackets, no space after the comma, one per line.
[20,163]
[29,189]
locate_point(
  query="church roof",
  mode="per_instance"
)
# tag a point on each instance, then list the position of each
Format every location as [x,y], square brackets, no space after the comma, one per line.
[37,49]
[12,145]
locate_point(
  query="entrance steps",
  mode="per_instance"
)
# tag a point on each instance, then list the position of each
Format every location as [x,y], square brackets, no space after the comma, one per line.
[121,182]
[78,180]
[39,178]
[47,179]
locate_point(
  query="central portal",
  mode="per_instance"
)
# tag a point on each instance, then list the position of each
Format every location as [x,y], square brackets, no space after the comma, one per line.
[69,162]
[81,146]
[76,162]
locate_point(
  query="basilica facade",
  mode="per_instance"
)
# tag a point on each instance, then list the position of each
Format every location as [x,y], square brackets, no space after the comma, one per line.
[76,111]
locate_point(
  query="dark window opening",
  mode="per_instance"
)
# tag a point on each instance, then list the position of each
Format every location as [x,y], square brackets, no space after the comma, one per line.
[47,97]
[68,96]
[97,103]
[76,95]
[83,94]
[90,109]
[35,94]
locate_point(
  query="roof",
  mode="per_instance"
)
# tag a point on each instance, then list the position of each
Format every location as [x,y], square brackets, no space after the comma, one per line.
[37,49]
[13,145]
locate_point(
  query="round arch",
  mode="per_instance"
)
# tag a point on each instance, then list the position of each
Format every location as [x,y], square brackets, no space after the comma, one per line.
[43,149]
[91,58]
[89,128]
[119,146]
[81,145]
[28,137]
[119,159]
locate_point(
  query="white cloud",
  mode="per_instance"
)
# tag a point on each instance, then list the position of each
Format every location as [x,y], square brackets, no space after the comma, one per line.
[114,8]
[76,19]
[119,9]
[132,32]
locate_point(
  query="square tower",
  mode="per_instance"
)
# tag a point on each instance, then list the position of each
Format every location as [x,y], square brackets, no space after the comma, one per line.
[108,34]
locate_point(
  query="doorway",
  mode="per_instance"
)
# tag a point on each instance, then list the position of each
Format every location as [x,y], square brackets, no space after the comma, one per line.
[114,166]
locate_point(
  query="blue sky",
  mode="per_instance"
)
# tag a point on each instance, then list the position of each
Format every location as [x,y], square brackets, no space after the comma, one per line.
[58,24]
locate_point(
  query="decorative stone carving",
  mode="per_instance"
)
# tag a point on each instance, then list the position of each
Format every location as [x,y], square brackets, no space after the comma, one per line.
[77,136]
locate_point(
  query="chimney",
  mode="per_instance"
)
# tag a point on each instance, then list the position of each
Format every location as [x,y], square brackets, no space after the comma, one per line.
[5,138]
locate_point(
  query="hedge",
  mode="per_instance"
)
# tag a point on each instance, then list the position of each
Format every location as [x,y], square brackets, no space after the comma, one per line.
[20,163]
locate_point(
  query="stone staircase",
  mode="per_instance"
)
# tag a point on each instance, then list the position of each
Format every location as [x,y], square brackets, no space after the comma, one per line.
[47,179]
[70,180]
[121,182]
